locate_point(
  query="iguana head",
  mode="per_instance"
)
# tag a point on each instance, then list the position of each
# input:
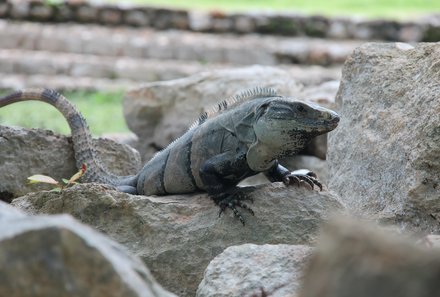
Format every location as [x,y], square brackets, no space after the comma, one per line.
[281,121]
[282,127]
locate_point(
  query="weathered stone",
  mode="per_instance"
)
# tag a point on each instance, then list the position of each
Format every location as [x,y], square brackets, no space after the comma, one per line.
[315,26]
[168,18]
[40,11]
[137,17]
[222,25]
[111,15]
[8,212]
[411,32]
[199,20]
[177,236]
[339,28]
[273,23]
[354,259]
[56,256]
[430,240]
[172,44]
[255,270]
[314,51]
[4,9]
[323,94]
[63,13]
[244,23]
[378,30]
[431,33]
[314,75]
[86,13]
[160,112]
[384,155]
[20,9]
[26,152]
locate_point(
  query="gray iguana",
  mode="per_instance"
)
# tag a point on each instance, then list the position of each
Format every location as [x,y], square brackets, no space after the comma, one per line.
[242,136]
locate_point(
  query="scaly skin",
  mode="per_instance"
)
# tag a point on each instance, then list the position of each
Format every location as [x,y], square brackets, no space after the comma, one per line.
[245,135]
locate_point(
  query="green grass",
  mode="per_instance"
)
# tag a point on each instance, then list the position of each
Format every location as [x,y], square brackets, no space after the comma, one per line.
[368,8]
[103,112]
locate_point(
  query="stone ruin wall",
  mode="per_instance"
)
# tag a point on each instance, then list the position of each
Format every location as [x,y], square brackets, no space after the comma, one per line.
[276,23]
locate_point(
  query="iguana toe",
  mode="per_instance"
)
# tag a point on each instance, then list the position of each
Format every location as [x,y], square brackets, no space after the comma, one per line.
[232,201]
[302,176]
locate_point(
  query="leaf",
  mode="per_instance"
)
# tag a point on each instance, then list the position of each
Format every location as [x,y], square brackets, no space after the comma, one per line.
[39,178]
[77,175]
[66,181]
[57,190]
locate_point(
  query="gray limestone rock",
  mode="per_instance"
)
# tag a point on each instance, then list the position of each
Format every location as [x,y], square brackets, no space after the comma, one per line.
[8,212]
[57,256]
[384,157]
[25,152]
[353,258]
[177,236]
[253,270]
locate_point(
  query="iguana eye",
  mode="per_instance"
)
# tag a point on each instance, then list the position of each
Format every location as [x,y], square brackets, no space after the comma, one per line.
[300,108]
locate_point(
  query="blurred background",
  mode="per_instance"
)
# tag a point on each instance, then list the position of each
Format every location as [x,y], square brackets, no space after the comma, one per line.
[94,51]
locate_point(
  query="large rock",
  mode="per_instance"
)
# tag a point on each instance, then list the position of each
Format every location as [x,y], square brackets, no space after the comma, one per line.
[255,270]
[57,256]
[160,112]
[8,212]
[354,259]
[385,155]
[177,236]
[25,152]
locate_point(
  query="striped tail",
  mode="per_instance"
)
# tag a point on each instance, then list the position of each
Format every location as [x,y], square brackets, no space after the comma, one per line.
[85,151]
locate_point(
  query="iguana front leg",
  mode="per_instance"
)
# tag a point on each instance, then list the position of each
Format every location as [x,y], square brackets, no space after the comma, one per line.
[220,175]
[280,173]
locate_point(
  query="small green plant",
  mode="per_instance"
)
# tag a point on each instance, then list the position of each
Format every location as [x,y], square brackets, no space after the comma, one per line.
[58,186]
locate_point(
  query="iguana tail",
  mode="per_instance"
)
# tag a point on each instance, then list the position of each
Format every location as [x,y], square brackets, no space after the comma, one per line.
[85,151]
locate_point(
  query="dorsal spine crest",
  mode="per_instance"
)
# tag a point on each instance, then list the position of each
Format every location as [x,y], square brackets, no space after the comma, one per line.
[258,92]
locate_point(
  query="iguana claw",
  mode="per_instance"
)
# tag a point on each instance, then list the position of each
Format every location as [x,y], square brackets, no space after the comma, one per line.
[302,175]
[232,201]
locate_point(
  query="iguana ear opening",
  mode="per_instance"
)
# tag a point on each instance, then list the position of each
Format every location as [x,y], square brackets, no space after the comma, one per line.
[261,110]
[244,129]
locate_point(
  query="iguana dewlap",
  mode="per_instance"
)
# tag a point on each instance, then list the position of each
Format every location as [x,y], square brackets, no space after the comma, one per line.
[243,136]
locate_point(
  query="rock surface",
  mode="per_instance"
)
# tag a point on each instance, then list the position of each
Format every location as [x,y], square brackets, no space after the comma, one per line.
[8,212]
[57,256]
[354,259]
[177,236]
[384,156]
[25,152]
[252,270]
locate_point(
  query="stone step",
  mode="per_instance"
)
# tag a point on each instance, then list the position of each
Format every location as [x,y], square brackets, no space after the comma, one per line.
[288,22]
[77,66]
[306,75]
[143,43]
[26,68]
[63,82]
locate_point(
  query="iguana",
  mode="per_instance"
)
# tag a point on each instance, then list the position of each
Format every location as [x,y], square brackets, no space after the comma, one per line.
[244,135]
